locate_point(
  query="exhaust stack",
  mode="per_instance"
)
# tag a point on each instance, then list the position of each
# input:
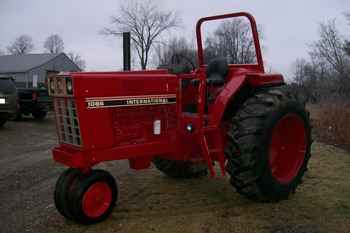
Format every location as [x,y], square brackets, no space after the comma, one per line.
[126,51]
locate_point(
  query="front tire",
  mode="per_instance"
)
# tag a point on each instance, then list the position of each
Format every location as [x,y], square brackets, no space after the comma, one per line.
[93,198]
[63,187]
[269,145]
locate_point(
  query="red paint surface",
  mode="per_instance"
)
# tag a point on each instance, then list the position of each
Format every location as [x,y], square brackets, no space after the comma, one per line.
[287,148]
[96,199]
[255,34]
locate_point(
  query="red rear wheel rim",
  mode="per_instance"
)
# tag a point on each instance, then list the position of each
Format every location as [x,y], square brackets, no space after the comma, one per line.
[97,199]
[287,148]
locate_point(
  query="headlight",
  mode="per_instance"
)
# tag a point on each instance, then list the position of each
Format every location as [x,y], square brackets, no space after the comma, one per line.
[69,86]
[61,86]
[189,128]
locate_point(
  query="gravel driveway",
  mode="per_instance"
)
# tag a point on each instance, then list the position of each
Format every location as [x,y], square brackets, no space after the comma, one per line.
[151,202]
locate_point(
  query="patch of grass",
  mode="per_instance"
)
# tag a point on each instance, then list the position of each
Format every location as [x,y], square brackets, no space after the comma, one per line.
[297,228]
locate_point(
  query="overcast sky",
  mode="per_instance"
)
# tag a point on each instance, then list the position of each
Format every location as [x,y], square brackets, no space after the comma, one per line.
[288,25]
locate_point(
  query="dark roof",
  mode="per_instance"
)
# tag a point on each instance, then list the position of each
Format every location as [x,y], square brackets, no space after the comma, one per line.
[24,62]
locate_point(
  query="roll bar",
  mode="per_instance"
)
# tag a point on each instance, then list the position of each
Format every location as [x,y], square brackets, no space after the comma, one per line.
[225,16]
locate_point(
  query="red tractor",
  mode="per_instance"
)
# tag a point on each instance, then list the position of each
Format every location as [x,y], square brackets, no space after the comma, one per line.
[233,115]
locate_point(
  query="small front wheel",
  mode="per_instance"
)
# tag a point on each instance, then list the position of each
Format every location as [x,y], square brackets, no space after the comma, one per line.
[93,198]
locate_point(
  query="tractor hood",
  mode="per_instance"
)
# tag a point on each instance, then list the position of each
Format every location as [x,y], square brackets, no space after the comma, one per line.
[89,85]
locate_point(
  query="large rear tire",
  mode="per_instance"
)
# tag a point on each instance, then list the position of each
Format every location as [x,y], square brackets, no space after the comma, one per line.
[180,169]
[268,145]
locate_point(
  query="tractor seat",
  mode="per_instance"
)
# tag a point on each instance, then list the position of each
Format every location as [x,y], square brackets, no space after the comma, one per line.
[217,72]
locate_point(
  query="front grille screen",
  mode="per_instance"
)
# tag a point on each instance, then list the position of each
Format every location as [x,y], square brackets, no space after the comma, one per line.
[67,121]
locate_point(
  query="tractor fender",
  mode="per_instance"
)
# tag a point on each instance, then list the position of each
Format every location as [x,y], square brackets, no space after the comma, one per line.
[227,95]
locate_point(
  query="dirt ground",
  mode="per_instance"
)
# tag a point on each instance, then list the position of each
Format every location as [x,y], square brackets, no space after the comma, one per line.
[151,202]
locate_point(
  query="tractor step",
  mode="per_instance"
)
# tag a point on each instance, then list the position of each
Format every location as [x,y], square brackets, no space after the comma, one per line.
[212,154]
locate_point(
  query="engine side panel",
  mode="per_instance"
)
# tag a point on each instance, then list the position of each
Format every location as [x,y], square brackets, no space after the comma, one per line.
[123,109]
[135,125]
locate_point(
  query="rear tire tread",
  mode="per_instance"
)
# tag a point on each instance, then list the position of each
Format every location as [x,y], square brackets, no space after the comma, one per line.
[248,125]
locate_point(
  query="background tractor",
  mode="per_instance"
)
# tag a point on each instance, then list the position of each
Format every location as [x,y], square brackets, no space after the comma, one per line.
[184,121]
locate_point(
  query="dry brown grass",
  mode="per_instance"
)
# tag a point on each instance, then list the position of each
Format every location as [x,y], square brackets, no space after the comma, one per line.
[332,123]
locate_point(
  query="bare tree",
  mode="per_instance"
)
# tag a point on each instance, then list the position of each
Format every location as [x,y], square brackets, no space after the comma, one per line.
[308,77]
[22,45]
[325,76]
[299,75]
[54,44]
[77,59]
[330,48]
[233,40]
[347,47]
[165,52]
[347,42]
[146,22]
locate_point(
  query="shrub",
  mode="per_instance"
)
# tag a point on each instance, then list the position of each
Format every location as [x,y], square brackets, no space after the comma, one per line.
[331,123]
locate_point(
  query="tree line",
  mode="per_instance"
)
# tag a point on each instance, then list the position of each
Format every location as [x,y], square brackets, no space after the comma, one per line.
[325,74]
[148,23]
[53,44]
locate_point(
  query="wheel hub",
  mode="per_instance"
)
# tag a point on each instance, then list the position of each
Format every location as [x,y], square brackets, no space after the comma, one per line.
[97,199]
[287,148]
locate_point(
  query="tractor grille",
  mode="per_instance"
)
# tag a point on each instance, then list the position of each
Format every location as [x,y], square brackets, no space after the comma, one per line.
[67,121]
